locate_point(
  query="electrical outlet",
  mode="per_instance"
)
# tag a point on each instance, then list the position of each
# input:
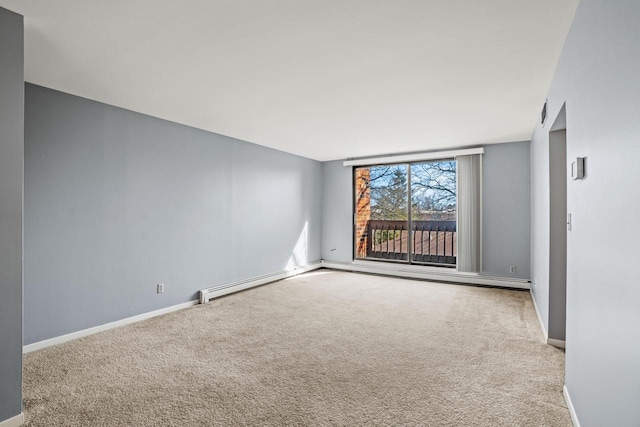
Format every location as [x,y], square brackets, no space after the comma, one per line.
[512,269]
[160,288]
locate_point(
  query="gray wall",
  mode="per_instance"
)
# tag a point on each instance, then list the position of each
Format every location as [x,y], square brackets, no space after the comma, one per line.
[597,77]
[506,210]
[117,201]
[11,161]
[337,212]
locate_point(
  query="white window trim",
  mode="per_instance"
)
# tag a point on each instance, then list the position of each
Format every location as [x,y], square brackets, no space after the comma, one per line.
[417,157]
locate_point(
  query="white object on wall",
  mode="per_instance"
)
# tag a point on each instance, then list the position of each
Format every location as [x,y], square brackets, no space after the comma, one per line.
[577,168]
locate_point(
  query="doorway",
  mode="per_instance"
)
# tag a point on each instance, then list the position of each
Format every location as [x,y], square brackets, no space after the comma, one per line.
[558,178]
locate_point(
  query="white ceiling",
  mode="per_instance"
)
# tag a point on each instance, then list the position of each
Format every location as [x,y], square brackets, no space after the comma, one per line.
[325,79]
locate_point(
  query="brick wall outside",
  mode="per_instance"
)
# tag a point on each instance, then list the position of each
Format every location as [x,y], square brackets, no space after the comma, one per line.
[363,210]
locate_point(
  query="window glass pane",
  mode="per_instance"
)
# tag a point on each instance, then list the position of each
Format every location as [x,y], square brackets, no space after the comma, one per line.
[381,212]
[433,212]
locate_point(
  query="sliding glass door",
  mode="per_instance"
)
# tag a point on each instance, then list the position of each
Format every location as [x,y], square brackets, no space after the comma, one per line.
[406,213]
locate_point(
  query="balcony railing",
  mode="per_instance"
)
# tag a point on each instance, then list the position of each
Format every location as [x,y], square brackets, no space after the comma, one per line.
[432,242]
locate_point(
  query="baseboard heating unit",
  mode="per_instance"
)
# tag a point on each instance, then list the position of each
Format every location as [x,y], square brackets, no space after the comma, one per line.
[229,288]
[437,274]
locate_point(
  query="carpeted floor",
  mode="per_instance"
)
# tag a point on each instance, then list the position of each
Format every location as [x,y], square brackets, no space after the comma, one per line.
[325,348]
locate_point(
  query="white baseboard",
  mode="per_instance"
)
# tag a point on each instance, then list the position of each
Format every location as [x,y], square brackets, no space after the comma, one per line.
[572,411]
[550,341]
[542,327]
[16,421]
[229,288]
[94,330]
[416,272]
[222,290]
[556,343]
[426,273]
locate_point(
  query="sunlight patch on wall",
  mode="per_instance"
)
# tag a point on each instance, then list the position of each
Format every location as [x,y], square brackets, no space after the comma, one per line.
[300,253]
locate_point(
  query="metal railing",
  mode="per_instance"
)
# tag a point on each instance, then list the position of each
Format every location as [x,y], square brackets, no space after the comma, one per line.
[432,242]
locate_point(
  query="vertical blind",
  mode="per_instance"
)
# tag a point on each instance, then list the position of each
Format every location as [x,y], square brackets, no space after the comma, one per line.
[469,212]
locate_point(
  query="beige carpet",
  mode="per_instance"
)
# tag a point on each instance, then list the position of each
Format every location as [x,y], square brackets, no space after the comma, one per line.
[325,348]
